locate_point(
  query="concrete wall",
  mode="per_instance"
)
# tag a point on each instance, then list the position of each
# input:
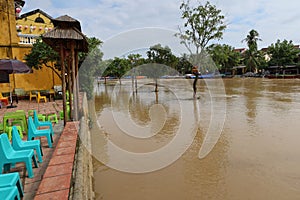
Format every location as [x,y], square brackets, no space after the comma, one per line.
[83,173]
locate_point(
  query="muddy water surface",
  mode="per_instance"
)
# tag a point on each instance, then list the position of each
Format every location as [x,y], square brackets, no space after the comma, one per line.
[256,157]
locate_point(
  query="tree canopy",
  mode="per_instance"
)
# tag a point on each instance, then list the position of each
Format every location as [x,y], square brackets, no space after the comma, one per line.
[283,53]
[202,24]
[252,56]
[41,55]
[224,56]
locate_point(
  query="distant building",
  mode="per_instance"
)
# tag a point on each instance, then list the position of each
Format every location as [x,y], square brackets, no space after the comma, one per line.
[240,50]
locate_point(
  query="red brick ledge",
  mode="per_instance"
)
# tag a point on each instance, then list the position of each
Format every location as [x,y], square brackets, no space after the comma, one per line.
[56,182]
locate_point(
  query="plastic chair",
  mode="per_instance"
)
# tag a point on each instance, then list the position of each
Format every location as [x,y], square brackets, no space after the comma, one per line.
[19,144]
[10,180]
[41,117]
[9,193]
[33,132]
[9,131]
[32,96]
[1,127]
[61,113]
[4,99]
[38,124]
[9,156]
[19,123]
[52,118]
[39,97]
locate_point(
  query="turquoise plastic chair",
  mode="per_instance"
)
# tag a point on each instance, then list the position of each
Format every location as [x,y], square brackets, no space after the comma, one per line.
[9,156]
[39,124]
[10,180]
[33,132]
[9,193]
[19,144]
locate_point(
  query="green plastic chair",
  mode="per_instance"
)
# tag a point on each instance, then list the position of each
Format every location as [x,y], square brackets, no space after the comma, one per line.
[1,127]
[40,117]
[9,193]
[52,118]
[19,144]
[9,131]
[61,113]
[19,122]
[10,180]
[39,123]
[33,132]
[9,156]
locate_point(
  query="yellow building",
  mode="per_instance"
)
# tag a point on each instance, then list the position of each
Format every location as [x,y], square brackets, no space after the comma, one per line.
[18,34]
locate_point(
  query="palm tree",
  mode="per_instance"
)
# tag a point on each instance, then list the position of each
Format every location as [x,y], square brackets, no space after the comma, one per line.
[251,58]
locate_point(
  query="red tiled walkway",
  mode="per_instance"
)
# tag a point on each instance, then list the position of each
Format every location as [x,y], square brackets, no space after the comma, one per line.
[56,181]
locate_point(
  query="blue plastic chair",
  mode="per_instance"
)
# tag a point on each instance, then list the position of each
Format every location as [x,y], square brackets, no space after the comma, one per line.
[33,132]
[19,144]
[10,180]
[9,193]
[39,124]
[9,156]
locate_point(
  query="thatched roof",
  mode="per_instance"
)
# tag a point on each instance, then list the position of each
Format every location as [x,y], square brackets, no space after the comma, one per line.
[66,30]
[66,21]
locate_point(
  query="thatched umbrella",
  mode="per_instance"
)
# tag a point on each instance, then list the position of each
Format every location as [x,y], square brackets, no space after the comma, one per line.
[67,39]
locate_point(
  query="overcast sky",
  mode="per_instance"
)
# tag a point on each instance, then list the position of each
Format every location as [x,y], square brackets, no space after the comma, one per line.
[107,19]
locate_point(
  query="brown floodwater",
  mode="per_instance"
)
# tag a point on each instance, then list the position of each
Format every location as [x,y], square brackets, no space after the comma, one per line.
[146,145]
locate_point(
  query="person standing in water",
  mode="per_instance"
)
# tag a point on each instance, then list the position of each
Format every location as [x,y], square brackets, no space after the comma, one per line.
[195,71]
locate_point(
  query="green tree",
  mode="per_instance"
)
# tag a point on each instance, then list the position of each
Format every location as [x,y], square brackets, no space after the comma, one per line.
[283,53]
[41,55]
[89,63]
[183,65]
[224,56]
[162,55]
[118,67]
[202,24]
[161,60]
[252,55]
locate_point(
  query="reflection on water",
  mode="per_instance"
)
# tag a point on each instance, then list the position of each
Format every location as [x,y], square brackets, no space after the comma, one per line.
[256,157]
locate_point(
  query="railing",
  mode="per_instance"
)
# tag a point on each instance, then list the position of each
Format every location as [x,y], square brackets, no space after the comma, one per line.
[27,38]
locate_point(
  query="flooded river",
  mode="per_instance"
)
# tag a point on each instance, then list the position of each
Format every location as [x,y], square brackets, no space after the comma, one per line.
[147,145]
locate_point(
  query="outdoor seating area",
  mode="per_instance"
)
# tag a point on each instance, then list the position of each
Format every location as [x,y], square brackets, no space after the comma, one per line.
[27,141]
[34,96]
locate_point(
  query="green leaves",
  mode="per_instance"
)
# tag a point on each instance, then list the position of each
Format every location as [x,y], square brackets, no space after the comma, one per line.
[252,55]
[283,53]
[42,54]
[224,56]
[203,24]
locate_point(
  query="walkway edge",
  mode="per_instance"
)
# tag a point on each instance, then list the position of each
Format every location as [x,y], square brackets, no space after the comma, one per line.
[58,183]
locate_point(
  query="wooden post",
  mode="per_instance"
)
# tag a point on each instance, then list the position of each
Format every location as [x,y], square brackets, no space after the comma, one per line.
[77,81]
[70,86]
[74,80]
[63,71]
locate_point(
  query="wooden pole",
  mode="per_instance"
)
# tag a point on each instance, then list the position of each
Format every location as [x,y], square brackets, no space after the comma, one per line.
[77,81]
[74,80]
[70,86]
[63,71]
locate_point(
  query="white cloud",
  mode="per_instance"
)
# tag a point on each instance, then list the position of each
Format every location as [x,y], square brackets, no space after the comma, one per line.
[105,18]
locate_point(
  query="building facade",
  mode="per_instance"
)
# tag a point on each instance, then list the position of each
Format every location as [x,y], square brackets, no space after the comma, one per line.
[18,34]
